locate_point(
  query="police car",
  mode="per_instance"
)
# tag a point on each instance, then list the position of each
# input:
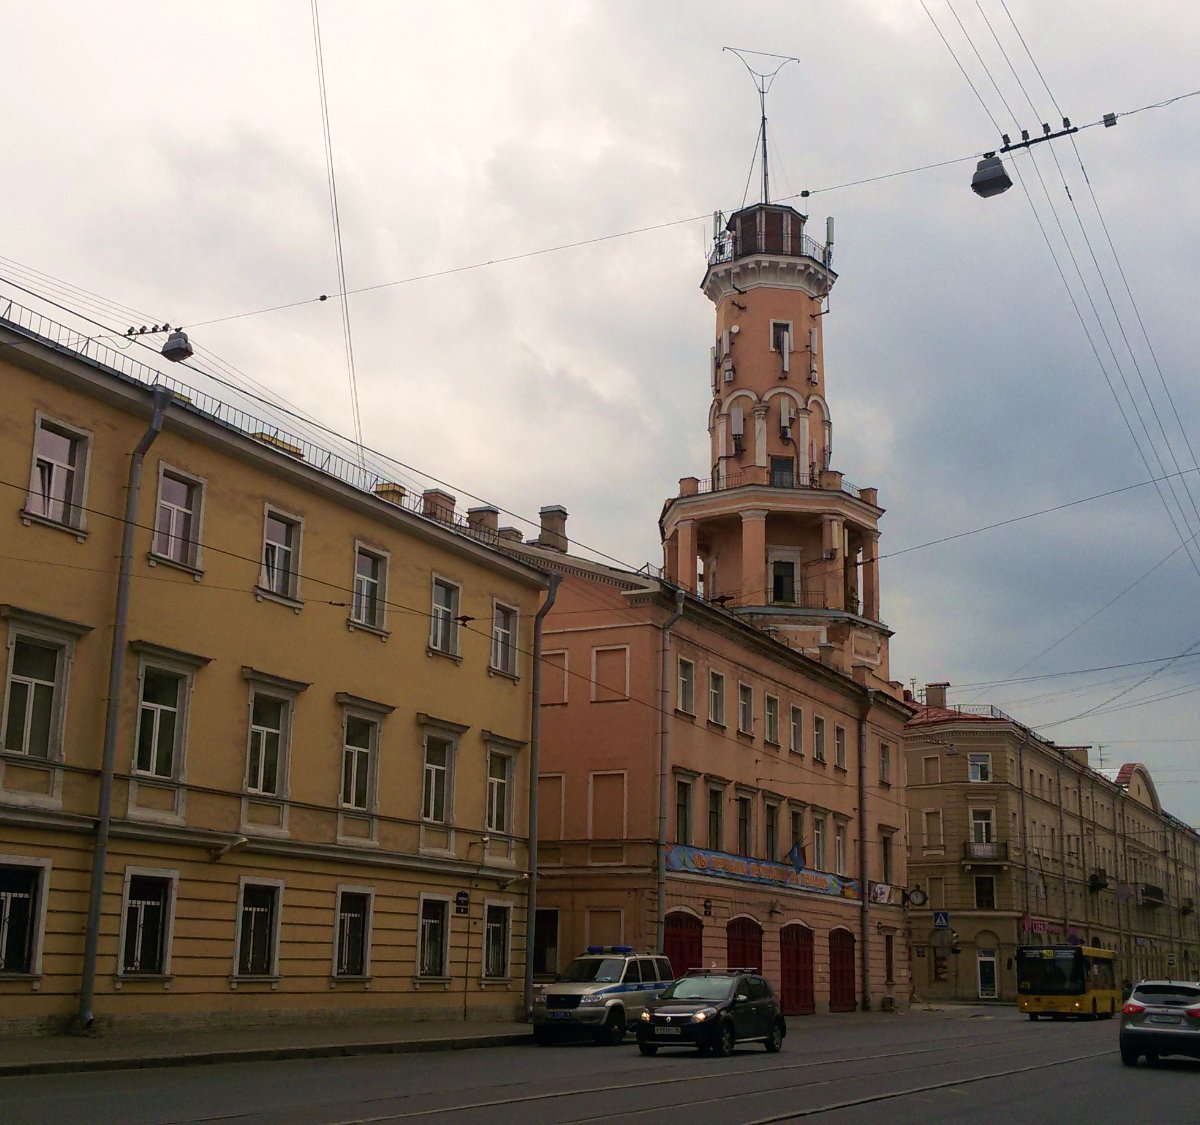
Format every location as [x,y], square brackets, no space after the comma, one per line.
[603,991]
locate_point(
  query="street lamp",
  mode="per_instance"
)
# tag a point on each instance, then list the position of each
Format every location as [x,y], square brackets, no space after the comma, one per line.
[990,178]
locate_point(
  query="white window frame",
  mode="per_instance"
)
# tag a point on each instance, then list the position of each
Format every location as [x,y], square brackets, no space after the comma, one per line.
[982,816]
[501,792]
[818,822]
[684,791]
[287,698]
[368,924]
[793,556]
[443,618]
[188,557]
[716,698]
[64,649]
[291,573]
[170,876]
[771,719]
[818,738]
[685,695]
[979,767]
[839,747]
[745,717]
[447,924]
[787,325]
[839,847]
[276,924]
[887,855]
[796,731]
[745,825]
[443,775]
[75,517]
[37,935]
[885,763]
[506,624]
[359,759]
[506,908]
[184,679]
[364,586]
[928,816]
[719,792]
[771,811]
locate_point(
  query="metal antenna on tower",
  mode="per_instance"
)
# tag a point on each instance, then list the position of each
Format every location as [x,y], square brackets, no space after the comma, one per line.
[763,80]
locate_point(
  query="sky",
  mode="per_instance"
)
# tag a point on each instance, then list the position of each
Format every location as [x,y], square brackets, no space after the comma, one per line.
[514,340]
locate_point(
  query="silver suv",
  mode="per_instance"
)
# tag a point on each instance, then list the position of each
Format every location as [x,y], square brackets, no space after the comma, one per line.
[603,991]
[1161,1017]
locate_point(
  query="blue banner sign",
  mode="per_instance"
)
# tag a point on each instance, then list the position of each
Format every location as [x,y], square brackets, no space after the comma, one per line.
[697,861]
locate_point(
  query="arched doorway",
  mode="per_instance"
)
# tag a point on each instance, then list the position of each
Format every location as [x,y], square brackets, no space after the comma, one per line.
[743,943]
[841,971]
[797,995]
[683,942]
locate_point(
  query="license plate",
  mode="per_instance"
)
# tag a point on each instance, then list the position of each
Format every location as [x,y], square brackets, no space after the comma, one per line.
[1175,1020]
[668,1031]
[561,1015]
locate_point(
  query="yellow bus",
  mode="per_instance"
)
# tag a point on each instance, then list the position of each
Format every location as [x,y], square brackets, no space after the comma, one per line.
[1067,980]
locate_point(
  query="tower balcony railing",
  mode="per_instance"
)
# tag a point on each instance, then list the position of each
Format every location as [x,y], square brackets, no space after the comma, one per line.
[791,481]
[730,246]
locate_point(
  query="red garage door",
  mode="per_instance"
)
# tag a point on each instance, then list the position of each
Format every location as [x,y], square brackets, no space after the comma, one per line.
[841,971]
[743,944]
[797,996]
[683,942]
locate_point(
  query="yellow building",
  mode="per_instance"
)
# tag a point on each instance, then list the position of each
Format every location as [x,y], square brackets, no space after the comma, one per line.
[321,718]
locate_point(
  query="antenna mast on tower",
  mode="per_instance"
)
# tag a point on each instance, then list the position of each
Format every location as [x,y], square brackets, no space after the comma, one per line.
[763,80]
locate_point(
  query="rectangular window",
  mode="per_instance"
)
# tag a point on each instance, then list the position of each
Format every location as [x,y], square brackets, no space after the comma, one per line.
[783,573]
[797,827]
[885,764]
[745,709]
[495,940]
[370,588]
[499,792]
[443,621]
[771,719]
[281,555]
[258,922]
[745,813]
[771,831]
[818,828]
[33,697]
[839,848]
[889,958]
[683,812]
[270,732]
[433,952]
[147,920]
[56,482]
[981,826]
[839,747]
[504,639]
[716,698]
[353,930]
[160,726]
[931,770]
[177,521]
[716,805]
[685,698]
[985,892]
[979,767]
[360,737]
[781,335]
[818,739]
[20,890]
[439,767]
[932,827]
[886,861]
[796,738]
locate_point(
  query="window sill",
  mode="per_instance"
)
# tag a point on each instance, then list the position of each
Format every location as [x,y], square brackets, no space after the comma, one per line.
[840,769]
[773,743]
[335,980]
[363,627]
[503,674]
[682,714]
[796,753]
[434,982]
[122,979]
[236,980]
[262,594]
[746,734]
[454,656]
[714,725]
[495,982]
[28,517]
[819,761]
[162,560]
[22,978]
[19,758]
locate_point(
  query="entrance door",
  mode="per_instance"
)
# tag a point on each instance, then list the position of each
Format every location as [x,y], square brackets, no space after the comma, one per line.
[797,995]
[545,942]
[987,974]
[743,944]
[683,942]
[841,971]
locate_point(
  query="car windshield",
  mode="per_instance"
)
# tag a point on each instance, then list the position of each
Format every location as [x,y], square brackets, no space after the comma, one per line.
[699,988]
[607,969]
[1167,994]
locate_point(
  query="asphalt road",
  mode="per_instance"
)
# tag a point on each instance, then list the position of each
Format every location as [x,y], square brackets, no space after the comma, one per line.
[917,1067]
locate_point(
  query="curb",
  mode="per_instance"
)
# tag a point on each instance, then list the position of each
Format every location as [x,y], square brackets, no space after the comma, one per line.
[263,1054]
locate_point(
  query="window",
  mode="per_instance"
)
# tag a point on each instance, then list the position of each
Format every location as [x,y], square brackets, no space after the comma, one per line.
[683,811]
[177,521]
[33,698]
[771,831]
[281,555]
[145,940]
[443,624]
[839,747]
[160,723]
[745,825]
[886,862]
[885,764]
[352,939]
[839,848]
[370,588]
[797,827]
[985,892]
[716,827]
[258,929]
[818,828]
[981,826]
[685,697]
[716,698]
[745,709]
[59,474]
[439,776]
[781,335]
[771,719]
[22,887]
[783,572]
[499,792]
[931,770]
[270,733]
[433,943]
[796,739]
[979,767]
[504,639]
[889,958]
[360,738]
[496,919]
[818,739]
[932,826]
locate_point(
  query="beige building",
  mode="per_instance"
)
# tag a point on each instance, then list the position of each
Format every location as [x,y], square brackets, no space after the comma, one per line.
[1019,841]
[320,716]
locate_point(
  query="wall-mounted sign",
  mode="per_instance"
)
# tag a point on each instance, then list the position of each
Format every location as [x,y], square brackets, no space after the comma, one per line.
[698,861]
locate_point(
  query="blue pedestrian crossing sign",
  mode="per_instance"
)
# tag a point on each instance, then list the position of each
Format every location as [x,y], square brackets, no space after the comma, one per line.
[941,919]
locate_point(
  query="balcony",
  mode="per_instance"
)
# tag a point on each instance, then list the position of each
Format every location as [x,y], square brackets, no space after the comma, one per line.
[1150,895]
[991,851]
[827,480]
[1098,880]
[1187,906]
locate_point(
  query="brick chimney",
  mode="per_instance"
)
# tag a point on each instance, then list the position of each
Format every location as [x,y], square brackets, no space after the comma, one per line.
[484,518]
[935,694]
[392,493]
[554,528]
[437,505]
[511,535]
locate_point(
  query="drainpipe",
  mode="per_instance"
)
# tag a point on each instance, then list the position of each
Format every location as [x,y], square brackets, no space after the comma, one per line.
[1062,843]
[664,765]
[116,664]
[535,742]
[1024,834]
[863,870]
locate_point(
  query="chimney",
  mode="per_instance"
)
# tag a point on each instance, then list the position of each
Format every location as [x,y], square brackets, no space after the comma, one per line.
[484,518]
[935,694]
[554,528]
[392,493]
[825,649]
[437,505]
[511,535]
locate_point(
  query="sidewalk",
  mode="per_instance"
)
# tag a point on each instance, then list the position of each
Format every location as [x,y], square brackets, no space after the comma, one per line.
[117,1050]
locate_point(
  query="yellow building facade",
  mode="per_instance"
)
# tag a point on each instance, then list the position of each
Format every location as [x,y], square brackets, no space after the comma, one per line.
[320,734]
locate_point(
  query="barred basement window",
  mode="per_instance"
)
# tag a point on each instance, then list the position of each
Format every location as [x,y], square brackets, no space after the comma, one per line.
[432,956]
[495,941]
[147,913]
[19,887]
[354,911]
[257,923]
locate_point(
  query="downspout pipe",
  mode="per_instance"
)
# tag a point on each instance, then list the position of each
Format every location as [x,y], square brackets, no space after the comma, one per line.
[664,768]
[1025,924]
[116,667]
[864,905]
[535,743]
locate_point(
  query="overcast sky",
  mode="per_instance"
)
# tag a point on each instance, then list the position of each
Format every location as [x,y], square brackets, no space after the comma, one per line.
[169,158]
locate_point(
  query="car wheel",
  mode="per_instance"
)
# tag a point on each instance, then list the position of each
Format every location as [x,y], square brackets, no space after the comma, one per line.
[647,1048]
[1129,1056]
[775,1039]
[1152,1059]
[612,1034]
[724,1044]
[543,1036]
[1033,1017]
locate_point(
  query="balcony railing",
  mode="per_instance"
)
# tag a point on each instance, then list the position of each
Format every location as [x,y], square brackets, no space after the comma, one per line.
[1098,880]
[991,851]
[1150,895]
[730,246]
[761,478]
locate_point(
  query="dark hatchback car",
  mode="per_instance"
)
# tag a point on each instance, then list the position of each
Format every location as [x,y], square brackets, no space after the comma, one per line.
[1161,1017]
[713,1011]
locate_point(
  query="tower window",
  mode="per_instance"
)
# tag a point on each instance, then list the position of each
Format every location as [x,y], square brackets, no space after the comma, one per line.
[783,472]
[781,336]
[783,582]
